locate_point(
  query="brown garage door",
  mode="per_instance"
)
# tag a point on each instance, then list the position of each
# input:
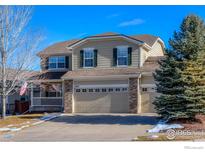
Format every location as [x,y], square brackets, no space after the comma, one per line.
[106,99]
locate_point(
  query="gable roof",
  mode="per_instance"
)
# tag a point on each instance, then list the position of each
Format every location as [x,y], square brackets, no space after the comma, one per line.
[149,39]
[105,34]
[57,48]
[62,47]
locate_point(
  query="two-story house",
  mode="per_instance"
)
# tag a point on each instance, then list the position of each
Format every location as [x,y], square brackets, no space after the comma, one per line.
[105,73]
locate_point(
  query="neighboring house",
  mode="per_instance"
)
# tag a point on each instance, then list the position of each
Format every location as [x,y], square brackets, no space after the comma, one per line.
[106,73]
[14,95]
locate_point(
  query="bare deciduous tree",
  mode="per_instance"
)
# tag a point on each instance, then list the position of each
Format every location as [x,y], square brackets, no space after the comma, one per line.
[17,49]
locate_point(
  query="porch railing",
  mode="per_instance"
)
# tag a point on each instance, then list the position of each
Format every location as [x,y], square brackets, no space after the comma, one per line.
[47,101]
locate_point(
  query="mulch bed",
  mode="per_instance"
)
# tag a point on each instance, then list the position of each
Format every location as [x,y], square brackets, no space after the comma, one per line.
[192,124]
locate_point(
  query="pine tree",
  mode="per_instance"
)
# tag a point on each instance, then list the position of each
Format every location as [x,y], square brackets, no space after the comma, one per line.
[182,87]
[169,84]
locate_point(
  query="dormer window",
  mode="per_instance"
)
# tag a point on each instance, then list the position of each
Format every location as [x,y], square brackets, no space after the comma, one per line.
[56,62]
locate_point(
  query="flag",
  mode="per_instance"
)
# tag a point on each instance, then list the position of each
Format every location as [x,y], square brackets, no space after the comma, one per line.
[23,88]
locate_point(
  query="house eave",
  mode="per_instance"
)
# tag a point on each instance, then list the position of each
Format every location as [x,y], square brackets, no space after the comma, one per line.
[105,37]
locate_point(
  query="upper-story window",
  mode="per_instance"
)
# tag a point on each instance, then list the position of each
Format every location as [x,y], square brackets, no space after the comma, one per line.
[57,62]
[122,56]
[88,57]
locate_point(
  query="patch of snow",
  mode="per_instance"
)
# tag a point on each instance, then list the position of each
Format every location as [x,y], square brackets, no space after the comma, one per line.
[15,129]
[49,117]
[10,125]
[36,123]
[4,129]
[162,126]
[153,136]
[26,126]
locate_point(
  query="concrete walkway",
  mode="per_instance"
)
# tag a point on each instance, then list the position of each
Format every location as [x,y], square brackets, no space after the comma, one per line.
[87,127]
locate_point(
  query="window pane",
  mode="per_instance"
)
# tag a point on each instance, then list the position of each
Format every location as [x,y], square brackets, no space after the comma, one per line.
[52,65]
[52,59]
[104,90]
[61,65]
[88,62]
[122,53]
[77,90]
[88,54]
[122,56]
[61,59]
[122,61]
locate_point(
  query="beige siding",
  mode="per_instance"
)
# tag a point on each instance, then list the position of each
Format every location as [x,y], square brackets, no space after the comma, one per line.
[147,80]
[157,50]
[105,52]
[148,97]
[143,56]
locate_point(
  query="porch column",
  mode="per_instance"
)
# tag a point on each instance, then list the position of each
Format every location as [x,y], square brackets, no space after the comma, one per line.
[134,95]
[67,97]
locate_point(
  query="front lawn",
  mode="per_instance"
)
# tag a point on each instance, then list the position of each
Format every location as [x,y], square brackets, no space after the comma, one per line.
[18,121]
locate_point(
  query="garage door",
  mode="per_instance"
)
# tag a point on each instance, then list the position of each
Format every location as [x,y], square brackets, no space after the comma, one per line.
[98,98]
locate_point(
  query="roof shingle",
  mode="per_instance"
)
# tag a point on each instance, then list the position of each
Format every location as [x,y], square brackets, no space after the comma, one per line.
[61,47]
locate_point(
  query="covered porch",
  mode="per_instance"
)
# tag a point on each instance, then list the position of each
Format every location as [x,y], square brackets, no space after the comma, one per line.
[46,96]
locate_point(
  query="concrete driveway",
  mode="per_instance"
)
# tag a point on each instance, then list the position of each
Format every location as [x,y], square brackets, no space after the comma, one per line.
[87,127]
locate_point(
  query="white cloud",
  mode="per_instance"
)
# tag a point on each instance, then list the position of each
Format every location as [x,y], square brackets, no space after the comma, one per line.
[133,22]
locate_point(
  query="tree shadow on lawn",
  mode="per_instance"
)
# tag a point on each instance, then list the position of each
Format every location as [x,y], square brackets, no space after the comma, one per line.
[108,119]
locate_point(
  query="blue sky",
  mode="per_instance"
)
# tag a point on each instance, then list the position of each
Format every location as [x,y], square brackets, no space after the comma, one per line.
[60,23]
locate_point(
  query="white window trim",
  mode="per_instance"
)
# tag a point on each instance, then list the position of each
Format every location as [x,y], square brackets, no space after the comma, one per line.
[119,48]
[90,50]
[57,67]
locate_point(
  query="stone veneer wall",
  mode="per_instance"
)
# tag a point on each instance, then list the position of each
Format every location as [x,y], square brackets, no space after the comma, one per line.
[68,92]
[133,95]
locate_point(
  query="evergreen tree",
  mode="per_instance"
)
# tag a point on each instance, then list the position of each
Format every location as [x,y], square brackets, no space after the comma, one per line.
[170,86]
[182,88]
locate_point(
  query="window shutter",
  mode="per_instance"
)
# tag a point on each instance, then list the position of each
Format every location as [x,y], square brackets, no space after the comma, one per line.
[114,56]
[81,58]
[67,62]
[129,56]
[95,58]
